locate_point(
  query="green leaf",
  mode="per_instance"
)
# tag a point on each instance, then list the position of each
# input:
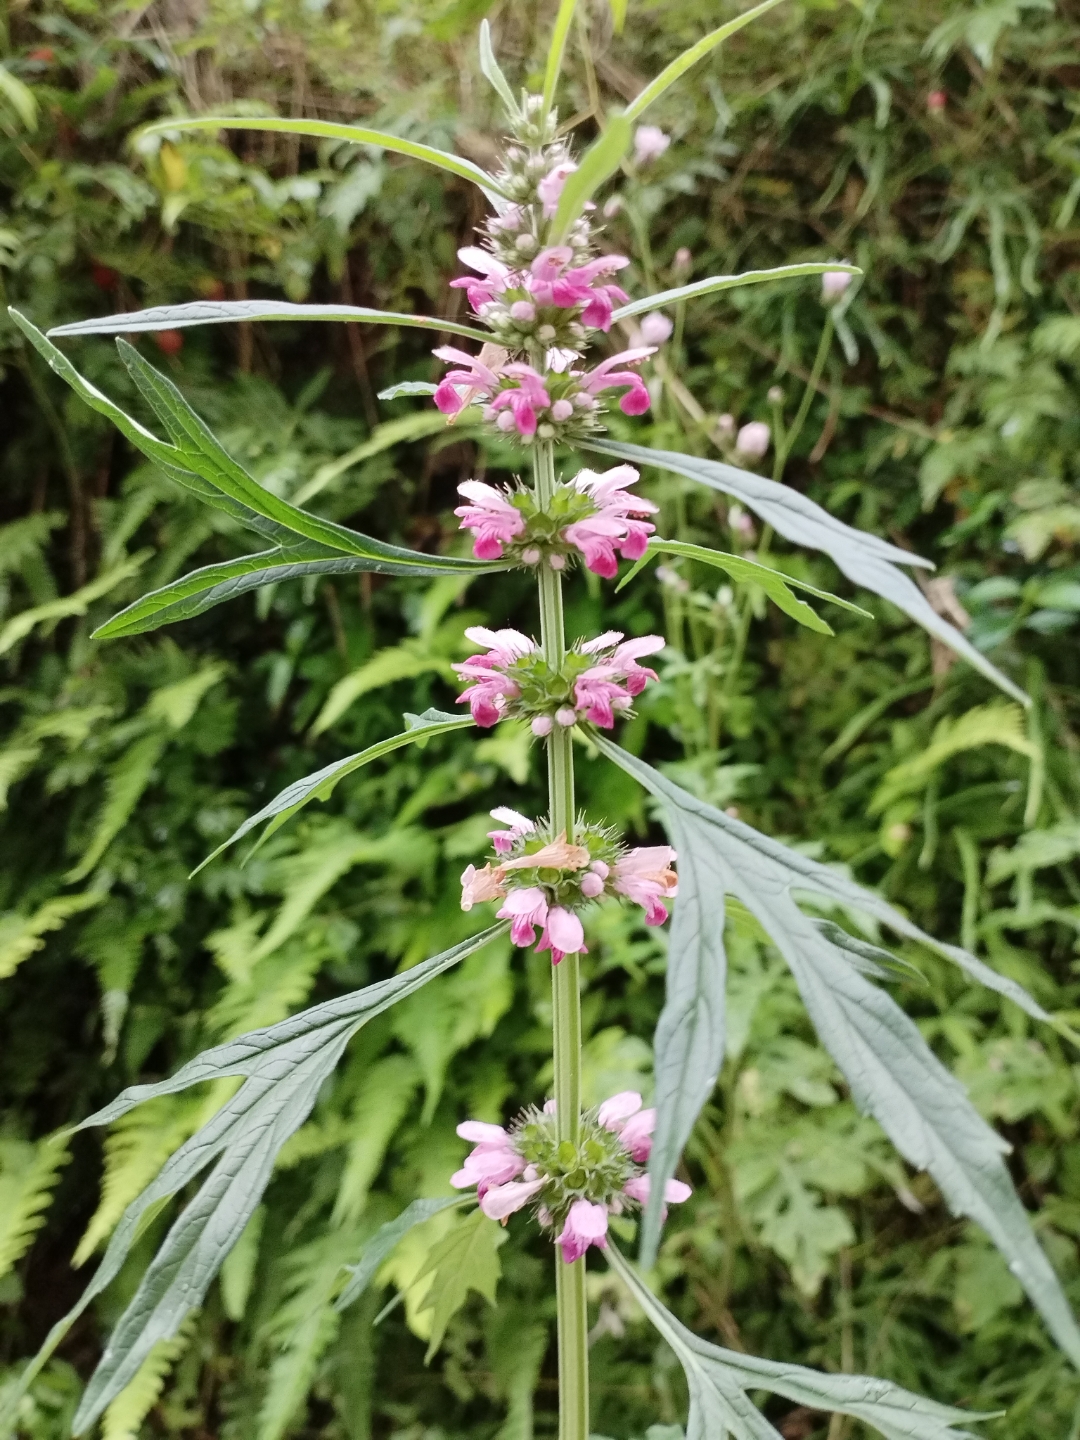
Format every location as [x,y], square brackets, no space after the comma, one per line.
[222,312]
[683,62]
[399,662]
[494,76]
[408,387]
[328,130]
[865,559]
[392,432]
[21,935]
[20,97]
[385,1239]
[601,160]
[284,1067]
[128,778]
[76,603]
[124,1418]
[1035,850]
[722,282]
[465,1259]
[775,584]
[891,1071]
[618,14]
[719,1382]
[320,784]
[559,33]
[28,1176]
[994,724]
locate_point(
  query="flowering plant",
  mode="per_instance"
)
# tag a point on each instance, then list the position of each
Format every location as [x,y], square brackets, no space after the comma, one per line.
[544,291]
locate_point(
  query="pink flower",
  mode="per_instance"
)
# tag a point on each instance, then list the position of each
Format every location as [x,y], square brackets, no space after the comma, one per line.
[499,1201]
[522,401]
[645,876]
[525,908]
[496,276]
[605,377]
[600,697]
[636,1135]
[650,142]
[612,527]
[551,186]
[656,328]
[553,284]
[586,1224]
[492,519]
[833,285]
[562,935]
[614,1112]
[675,1191]
[475,376]
[519,825]
[753,440]
[492,1161]
[611,684]
[626,657]
[492,689]
[478,886]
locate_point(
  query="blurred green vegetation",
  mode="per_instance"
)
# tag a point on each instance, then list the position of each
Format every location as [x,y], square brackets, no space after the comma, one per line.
[935,144]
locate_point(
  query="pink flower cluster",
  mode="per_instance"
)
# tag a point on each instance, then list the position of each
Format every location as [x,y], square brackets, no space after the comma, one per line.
[549,280]
[616,523]
[505,1182]
[599,690]
[517,397]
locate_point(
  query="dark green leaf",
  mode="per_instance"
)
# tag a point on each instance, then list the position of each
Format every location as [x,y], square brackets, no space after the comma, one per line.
[386,1238]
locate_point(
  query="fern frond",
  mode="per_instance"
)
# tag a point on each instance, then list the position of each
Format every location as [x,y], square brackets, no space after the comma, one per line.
[28,1173]
[22,935]
[124,1417]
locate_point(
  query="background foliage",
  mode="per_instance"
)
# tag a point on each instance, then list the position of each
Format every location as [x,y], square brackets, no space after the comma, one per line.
[935,144]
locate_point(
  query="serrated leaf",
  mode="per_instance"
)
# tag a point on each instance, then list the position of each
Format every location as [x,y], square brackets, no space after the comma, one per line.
[864,558]
[1035,850]
[385,1239]
[28,1176]
[328,130]
[77,603]
[601,160]
[719,1382]
[284,1068]
[223,312]
[995,724]
[465,1259]
[398,662]
[893,1074]
[320,784]
[715,283]
[691,56]
[22,935]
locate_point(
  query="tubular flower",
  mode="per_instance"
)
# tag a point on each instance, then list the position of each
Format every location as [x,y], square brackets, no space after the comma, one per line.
[475,377]
[492,688]
[605,377]
[552,281]
[611,685]
[492,519]
[615,524]
[573,1188]
[645,877]
[519,405]
[544,880]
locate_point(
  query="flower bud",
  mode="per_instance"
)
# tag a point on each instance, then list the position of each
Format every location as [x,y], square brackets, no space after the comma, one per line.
[775,395]
[601,868]
[753,440]
[546,334]
[726,426]
[566,716]
[531,556]
[650,142]
[612,207]
[557,562]
[656,328]
[562,410]
[591,886]
[523,311]
[526,244]
[833,285]
[682,264]
[541,725]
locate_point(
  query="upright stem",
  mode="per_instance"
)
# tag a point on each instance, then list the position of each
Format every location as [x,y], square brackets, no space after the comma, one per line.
[573,1322]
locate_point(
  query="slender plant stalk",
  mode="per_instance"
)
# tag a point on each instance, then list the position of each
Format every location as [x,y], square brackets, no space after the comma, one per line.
[566,996]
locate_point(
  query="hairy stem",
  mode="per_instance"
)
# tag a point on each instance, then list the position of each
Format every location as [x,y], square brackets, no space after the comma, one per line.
[566,998]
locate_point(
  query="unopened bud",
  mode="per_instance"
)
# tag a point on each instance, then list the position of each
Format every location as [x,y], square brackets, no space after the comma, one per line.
[775,395]
[562,410]
[566,716]
[612,207]
[753,440]
[726,426]
[650,142]
[683,263]
[591,886]
[531,556]
[656,328]
[557,562]
[546,334]
[601,868]
[833,285]
[524,311]
[541,725]
[525,244]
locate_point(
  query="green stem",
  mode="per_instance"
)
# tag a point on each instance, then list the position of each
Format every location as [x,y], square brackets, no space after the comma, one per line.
[573,1323]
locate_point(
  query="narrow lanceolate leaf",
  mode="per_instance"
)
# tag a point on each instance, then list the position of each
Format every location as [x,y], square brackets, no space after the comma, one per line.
[494,76]
[385,1239]
[328,130]
[214,584]
[711,285]
[776,585]
[683,62]
[719,1382]
[865,559]
[891,1071]
[320,785]
[560,31]
[408,387]
[602,159]
[284,1067]
[222,312]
